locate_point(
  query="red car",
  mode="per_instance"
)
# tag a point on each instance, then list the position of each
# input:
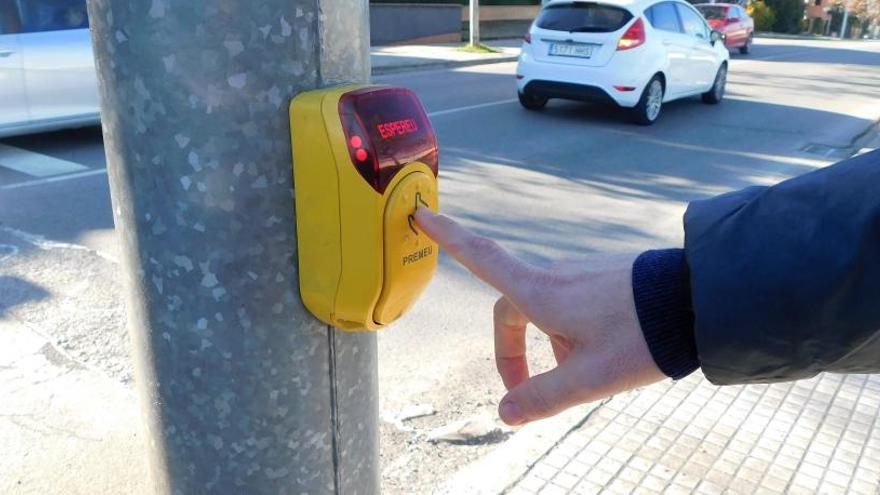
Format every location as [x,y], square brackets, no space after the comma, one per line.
[732,21]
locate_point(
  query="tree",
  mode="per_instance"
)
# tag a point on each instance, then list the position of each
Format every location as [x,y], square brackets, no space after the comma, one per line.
[763,15]
[788,15]
[866,10]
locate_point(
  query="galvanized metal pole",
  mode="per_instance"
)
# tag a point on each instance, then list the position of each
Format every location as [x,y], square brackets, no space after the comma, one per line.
[474,22]
[845,19]
[242,390]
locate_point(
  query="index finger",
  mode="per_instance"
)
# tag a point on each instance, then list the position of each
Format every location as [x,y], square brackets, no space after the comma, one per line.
[481,255]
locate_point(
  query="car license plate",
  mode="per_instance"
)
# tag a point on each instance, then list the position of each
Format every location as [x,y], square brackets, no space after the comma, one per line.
[571,50]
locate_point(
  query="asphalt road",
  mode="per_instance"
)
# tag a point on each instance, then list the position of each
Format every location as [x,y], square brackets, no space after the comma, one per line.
[572,181]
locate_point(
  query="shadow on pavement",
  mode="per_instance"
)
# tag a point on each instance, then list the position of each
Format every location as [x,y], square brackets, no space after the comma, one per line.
[693,152]
[811,54]
[16,291]
[76,145]
[556,167]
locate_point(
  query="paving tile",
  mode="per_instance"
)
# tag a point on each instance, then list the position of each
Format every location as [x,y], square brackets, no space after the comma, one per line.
[654,483]
[588,457]
[836,478]
[556,460]
[686,481]
[718,477]
[532,483]
[779,472]
[813,436]
[750,475]
[827,488]
[577,468]
[774,484]
[599,477]
[587,487]
[566,480]
[709,488]
[662,472]
[674,489]
[631,474]
[804,480]
[800,490]
[859,487]
[787,461]
[621,487]
[610,465]
[553,490]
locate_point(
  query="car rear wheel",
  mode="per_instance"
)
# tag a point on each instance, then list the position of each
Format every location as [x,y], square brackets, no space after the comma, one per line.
[745,49]
[647,110]
[532,102]
[714,95]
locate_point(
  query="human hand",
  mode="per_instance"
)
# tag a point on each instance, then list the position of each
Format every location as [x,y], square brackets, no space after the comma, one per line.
[586,309]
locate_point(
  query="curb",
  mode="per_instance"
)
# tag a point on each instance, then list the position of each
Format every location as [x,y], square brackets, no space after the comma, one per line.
[395,69]
[784,36]
[502,468]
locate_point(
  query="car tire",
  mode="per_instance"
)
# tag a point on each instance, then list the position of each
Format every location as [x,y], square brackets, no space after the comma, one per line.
[647,110]
[745,49]
[532,102]
[716,93]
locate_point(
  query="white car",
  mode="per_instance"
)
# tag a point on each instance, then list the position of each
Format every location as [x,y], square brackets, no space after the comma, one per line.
[47,70]
[637,54]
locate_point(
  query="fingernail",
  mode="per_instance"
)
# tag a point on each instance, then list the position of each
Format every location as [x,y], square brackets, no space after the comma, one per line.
[510,413]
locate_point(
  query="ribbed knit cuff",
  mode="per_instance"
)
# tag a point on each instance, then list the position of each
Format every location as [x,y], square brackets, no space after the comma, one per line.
[662,294]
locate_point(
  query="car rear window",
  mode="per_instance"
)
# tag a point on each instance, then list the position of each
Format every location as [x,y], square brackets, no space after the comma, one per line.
[713,11]
[582,17]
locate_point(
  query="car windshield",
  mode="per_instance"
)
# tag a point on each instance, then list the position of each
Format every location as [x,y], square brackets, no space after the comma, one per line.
[713,11]
[582,17]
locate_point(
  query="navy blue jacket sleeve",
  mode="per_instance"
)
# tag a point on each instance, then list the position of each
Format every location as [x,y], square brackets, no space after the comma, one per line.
[785,280]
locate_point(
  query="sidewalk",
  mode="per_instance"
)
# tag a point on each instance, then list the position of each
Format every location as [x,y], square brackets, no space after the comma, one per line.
[402,58]
[813,436]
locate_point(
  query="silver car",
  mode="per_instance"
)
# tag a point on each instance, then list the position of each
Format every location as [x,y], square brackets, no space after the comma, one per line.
[47,70]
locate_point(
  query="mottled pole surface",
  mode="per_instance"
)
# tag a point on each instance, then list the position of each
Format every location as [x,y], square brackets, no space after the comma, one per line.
[242,390]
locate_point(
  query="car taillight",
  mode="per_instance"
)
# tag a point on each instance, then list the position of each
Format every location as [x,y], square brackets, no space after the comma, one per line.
[527,38]
[633,37]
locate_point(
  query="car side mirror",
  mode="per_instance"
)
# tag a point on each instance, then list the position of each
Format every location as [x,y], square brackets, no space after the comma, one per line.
[733,19]
[716,36]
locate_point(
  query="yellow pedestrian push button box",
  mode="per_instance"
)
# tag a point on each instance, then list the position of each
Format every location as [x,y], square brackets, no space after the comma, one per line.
[364,158]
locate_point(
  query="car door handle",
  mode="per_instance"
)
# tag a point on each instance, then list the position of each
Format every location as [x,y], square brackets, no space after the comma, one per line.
[667,42]
[5,52]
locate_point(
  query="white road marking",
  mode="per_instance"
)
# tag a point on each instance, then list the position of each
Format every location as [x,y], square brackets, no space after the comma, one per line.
[48,180]
[7,251]
[470,107]
[87,173]
[35,164]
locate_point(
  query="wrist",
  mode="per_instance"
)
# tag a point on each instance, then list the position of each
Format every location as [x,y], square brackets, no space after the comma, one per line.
[661,291]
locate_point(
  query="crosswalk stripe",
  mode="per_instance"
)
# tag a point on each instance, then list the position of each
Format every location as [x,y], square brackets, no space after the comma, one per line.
[35,164]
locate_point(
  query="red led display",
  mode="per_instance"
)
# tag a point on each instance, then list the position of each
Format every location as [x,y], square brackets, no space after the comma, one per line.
[397,128]
[386,128]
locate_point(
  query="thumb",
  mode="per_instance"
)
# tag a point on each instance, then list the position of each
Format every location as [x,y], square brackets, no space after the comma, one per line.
[542,396]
